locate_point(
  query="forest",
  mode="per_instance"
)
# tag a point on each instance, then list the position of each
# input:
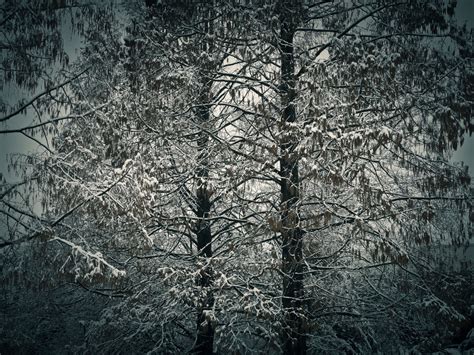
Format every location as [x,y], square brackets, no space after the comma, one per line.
[235,176]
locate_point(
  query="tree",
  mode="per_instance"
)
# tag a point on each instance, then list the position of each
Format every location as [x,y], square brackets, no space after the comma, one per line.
[272,178]
[35,69]
[149,161]
[346,116]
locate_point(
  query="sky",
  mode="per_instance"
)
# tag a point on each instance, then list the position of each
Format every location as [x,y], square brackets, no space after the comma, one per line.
[465,13]
[16,143]
[11,144]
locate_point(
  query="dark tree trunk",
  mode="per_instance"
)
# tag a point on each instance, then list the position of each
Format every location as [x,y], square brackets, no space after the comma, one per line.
[294,337]
[205,327]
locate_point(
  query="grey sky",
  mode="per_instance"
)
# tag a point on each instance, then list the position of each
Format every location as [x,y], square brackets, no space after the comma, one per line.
[465,13]
[16,143]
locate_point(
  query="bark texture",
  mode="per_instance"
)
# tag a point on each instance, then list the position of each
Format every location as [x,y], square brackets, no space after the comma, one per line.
[205,327]
[294,337]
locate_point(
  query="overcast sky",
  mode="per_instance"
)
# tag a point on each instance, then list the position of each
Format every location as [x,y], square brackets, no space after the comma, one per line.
[465,13]
[16,143]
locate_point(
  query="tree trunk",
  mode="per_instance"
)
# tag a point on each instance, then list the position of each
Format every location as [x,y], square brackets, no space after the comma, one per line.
[294,337]
[205,327]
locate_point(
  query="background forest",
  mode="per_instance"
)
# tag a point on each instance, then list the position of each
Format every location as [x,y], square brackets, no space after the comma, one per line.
[240,176]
